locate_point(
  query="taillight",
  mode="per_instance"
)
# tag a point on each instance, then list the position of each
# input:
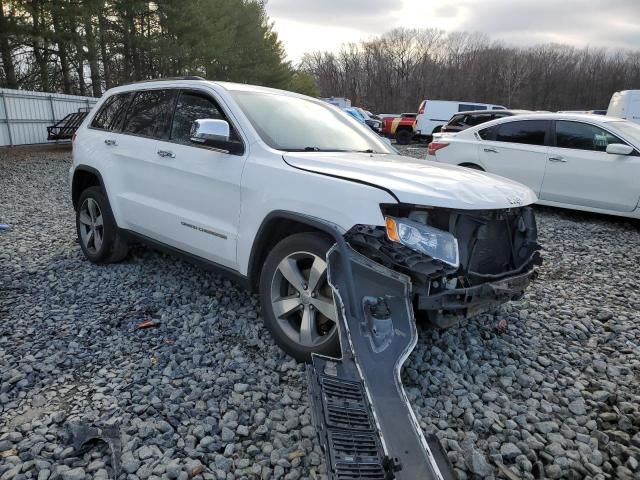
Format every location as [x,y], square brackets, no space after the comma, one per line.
[421,109]
[435,146]
[73,138]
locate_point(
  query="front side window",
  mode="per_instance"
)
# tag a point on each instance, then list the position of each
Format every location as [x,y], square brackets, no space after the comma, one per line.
[527,132]
[192,106]
[583,136]
[111,112]
[292,123]
[150,113]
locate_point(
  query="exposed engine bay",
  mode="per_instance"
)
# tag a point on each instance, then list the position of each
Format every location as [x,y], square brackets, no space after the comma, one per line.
[496,252]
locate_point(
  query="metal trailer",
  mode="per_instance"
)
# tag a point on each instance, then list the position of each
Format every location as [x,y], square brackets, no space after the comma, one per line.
[25,115]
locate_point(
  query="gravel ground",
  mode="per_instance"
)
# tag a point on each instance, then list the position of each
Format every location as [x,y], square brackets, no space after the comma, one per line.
[207,394]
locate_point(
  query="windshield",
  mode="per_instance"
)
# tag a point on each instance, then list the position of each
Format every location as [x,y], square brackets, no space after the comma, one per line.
[297,124]
[629,129]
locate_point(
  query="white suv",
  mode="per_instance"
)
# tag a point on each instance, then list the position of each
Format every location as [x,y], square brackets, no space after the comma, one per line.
[259,183]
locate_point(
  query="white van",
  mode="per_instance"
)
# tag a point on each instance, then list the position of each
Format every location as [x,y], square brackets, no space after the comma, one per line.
[625,104]
[433,114]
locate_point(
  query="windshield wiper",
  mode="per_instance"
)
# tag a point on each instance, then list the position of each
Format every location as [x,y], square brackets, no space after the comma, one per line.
[368,150]
[313,149]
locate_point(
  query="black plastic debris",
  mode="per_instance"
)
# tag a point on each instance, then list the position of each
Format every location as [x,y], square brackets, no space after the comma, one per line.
[84,438]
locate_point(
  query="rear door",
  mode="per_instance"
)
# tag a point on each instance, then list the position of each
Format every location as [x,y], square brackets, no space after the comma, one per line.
[198,187]
[580,172]
[102,138]
[139,198]
[516,150]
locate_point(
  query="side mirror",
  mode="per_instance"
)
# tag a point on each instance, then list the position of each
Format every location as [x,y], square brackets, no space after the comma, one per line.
[619,149]
[216,134]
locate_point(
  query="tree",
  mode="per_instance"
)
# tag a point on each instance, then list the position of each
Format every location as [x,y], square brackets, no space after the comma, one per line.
[303,82]
[63,44]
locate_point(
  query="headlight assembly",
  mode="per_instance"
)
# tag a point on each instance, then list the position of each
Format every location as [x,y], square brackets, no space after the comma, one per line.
[422,238]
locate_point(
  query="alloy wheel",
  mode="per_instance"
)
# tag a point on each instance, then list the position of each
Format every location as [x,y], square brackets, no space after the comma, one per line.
[302,301]
[91,225]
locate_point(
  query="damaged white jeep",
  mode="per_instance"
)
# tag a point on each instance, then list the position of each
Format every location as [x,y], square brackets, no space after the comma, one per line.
[260,183]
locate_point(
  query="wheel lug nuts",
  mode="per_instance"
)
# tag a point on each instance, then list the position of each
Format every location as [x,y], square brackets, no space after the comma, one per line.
[305,286]
[313,294]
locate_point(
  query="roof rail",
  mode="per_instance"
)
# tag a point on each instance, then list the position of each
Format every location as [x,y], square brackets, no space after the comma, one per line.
[166,79]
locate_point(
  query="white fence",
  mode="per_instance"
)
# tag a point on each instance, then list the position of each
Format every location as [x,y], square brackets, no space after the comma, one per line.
[25,116]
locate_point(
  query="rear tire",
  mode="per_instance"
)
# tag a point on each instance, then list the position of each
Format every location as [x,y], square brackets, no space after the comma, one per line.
[297,302]
[404,136]
[97,230]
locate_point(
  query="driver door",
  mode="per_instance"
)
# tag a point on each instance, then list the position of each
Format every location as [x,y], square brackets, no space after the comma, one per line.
[580,172]
[198,186]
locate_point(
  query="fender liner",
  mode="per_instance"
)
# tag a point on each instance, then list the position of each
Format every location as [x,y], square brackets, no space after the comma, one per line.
[331,229]
[85,168]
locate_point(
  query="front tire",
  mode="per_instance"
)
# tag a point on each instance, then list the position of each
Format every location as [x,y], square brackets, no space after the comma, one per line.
[297,302]
[97,230]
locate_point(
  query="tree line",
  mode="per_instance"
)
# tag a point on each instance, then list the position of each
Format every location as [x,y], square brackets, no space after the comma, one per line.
[396,71]
[86,46]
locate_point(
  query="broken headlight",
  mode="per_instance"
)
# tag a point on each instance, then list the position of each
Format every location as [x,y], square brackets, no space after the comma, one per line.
[422,238]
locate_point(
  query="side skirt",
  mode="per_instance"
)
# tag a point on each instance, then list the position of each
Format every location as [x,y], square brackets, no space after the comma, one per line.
[203,263]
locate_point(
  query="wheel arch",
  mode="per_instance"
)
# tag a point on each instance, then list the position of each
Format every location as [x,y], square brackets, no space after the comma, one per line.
[474,165]
[278,225]
[84,177]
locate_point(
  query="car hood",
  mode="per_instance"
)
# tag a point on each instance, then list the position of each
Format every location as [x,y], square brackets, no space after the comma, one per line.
[418,182]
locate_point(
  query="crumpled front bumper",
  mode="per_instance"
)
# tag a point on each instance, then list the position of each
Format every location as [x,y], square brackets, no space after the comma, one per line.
[451,306]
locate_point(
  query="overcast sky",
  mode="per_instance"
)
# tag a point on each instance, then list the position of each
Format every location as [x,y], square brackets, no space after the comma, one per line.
[309,25]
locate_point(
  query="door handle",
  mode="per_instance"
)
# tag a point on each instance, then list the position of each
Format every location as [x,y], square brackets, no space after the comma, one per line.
[557,159]
[490,150]
[110,143]
[166,154]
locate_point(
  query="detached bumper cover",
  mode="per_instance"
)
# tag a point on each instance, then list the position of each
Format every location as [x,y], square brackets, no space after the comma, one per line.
[364,421]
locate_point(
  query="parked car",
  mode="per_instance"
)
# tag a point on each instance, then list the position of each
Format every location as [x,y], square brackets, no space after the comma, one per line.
[626,105]
[373,121]
[356,113]
[583,162]
[463,120]
[339,102]
[401,128]
[259,183]
[433,114]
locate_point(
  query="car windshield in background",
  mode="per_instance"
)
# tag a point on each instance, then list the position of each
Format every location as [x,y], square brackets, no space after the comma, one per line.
[296,124]
[629,129]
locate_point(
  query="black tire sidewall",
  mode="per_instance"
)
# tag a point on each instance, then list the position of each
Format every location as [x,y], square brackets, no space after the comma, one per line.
[403,137]
[317,244]
[110,228]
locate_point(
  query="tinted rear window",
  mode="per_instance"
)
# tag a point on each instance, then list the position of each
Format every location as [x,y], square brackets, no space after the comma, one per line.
[528,132]
[150,112]
[111,112]
[474,120]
